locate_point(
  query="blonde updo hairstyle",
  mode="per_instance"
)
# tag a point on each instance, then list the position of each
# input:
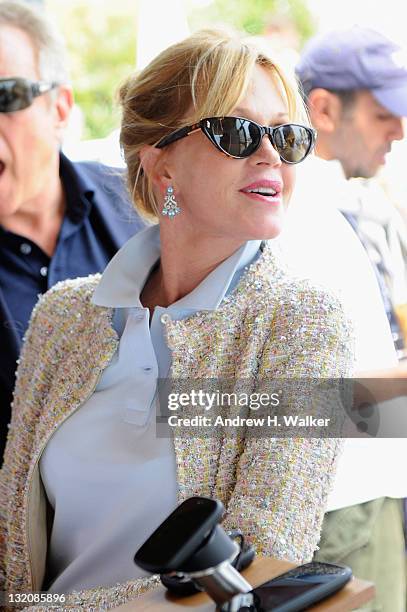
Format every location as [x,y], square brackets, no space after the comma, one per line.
[205,75]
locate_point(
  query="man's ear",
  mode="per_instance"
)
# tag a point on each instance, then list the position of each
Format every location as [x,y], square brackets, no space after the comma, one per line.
[63,104]
[325,110]
[153,163]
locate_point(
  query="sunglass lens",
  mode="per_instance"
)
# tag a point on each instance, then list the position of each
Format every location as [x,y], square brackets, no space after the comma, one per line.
[293,142]
[15,95]
[234,136]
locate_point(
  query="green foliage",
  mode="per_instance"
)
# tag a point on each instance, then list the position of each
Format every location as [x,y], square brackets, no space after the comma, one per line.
[253,16]
[102,52]
[101,41]
[303,19]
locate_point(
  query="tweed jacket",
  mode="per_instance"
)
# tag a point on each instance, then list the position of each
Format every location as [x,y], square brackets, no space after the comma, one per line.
[112,221]
[273,489]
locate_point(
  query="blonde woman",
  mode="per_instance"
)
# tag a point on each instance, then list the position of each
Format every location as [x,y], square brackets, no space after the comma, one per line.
[211,132]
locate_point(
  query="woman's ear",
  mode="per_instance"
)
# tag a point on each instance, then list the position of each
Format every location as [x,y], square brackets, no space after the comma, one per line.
[148,159]
[153,163]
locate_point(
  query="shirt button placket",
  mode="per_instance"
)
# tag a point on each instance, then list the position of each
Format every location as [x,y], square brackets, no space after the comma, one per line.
[25,248]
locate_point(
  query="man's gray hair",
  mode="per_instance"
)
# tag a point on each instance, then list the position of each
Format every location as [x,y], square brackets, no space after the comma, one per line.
[48,43]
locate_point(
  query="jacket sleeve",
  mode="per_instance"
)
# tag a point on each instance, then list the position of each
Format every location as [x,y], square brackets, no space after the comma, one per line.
[101,598]
[282,484]
[39,364]
[30,370]
[2,534]
[19,436]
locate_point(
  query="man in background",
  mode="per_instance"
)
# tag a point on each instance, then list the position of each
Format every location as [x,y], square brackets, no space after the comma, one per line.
[58,219]
[355,84]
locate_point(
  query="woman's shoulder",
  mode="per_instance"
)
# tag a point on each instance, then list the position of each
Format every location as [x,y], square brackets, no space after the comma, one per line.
[307,309]
[81,288]
[277,285]
[310,323]
[306,294]
[75,293]
[64,311]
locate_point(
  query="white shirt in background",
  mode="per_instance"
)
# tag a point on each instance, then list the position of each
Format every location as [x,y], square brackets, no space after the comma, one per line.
[319,243]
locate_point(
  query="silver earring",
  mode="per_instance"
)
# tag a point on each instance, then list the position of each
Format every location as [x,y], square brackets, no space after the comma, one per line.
[171,207]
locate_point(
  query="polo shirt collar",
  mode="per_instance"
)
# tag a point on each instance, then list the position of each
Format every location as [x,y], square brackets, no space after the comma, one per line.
[126,275]
[79,195]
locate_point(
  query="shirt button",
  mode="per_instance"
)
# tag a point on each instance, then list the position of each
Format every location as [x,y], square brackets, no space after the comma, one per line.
[25,248]
[44,271]
[165,318]
[148,369]
[138,317]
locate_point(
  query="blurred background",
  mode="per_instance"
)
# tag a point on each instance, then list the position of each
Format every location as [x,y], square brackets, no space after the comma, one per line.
[108,40]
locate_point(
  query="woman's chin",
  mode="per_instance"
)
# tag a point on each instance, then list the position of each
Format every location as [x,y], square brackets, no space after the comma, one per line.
[267,229]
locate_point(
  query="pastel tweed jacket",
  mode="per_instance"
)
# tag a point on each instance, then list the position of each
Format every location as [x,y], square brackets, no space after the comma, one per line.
[273,489]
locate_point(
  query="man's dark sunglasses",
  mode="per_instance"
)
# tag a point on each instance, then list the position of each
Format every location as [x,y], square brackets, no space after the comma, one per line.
[239,137]
[17,94]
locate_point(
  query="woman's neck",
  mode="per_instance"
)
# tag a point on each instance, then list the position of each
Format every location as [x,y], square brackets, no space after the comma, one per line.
[185,263]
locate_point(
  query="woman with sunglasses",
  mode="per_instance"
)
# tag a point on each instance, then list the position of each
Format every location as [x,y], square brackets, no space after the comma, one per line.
[211,132]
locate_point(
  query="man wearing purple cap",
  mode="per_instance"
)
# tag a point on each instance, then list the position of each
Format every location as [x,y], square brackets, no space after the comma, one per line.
[355,84]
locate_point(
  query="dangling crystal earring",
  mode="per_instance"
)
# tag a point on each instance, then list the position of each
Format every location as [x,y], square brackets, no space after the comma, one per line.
[171,207]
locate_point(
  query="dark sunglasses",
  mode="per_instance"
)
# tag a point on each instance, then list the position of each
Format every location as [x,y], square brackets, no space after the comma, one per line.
[239,137]
[17,93]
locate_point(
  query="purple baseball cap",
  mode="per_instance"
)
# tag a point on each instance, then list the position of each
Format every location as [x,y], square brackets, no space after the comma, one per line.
[357,58]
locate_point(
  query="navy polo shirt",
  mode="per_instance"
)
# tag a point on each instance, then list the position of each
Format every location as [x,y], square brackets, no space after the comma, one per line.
[26,271]
[98,220]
